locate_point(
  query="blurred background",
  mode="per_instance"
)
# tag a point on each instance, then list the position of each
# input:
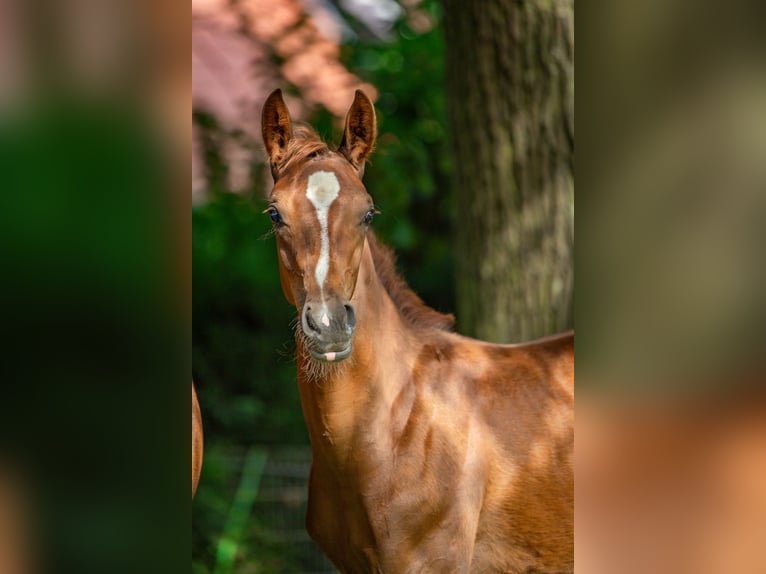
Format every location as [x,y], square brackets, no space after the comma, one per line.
[473,174]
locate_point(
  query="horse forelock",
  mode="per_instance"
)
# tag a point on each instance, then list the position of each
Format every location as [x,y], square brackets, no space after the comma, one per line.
[304,144]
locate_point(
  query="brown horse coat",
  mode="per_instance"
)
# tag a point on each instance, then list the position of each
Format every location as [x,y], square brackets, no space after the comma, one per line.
[432,452]
[196,423]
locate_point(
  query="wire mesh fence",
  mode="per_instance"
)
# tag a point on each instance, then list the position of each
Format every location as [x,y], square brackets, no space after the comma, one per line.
[282,500]
[249,514]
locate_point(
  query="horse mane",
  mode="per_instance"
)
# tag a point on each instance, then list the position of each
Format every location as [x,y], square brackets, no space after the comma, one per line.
[412,307]
[303,144]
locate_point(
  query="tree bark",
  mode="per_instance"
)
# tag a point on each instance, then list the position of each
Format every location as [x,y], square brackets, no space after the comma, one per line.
[510,76]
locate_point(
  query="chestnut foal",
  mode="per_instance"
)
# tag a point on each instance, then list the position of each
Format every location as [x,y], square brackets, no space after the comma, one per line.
[432,452]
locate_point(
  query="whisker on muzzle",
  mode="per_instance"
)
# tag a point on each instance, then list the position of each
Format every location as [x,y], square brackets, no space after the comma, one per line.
[314,370]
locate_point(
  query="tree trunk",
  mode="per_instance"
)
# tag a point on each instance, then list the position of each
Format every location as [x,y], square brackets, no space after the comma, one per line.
[511,105]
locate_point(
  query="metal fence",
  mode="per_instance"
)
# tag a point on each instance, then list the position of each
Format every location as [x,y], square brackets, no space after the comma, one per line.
[281,503]
[250,512]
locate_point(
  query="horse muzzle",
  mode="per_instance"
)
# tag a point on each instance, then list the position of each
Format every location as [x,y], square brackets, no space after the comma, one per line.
[329,329]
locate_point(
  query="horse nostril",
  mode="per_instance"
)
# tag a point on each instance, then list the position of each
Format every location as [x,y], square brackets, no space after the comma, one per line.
[350,316]
[310,322]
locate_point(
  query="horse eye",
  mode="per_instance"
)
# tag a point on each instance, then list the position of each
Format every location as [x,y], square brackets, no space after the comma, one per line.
[368,217]
[276,219]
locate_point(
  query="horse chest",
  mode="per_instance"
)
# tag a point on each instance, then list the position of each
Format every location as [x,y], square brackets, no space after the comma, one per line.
[392,512]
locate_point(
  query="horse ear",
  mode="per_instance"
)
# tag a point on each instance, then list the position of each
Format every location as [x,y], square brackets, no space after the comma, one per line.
[360,132]
[276,129]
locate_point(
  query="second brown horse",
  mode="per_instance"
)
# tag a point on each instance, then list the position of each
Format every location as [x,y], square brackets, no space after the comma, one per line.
[196,443]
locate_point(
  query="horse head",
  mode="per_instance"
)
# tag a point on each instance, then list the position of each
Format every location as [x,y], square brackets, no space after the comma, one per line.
[320,211]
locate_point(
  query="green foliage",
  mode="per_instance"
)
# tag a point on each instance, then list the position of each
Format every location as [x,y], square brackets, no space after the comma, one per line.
[242,340]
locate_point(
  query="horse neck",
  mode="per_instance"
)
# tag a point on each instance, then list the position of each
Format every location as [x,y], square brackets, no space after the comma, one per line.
[353,398]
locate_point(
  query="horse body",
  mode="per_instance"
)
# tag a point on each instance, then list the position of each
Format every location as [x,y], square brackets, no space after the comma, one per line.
[438,452]
[432,452]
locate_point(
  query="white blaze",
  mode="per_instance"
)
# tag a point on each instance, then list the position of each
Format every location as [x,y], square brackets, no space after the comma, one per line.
[322,189]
